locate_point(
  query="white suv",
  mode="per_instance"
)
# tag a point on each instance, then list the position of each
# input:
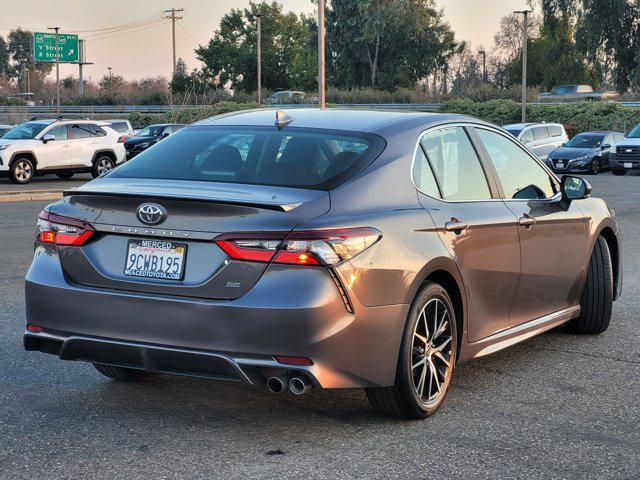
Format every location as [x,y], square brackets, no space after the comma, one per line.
[540,138]
[61,147]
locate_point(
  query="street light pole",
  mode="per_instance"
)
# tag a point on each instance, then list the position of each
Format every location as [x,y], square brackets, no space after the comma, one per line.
[484,65]
[57,30]
[259,48]
[525,40]
[321,65]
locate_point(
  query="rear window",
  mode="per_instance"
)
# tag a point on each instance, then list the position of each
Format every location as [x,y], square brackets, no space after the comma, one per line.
[292,157]
[540,133]
[555,130]
[119,126]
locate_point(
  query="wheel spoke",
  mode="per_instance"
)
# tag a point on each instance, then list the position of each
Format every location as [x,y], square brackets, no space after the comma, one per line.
[440,357]
[423,316]
[420,362]
[421,338]
[435,376]
[423,376]
[441,329]
[439,348]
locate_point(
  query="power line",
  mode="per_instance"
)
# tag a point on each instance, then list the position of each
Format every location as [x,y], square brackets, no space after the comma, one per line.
[118,34]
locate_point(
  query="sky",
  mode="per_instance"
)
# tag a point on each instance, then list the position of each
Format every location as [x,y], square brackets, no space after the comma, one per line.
[142,46]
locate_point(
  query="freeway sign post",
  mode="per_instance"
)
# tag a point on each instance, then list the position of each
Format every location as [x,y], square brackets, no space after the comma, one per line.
[44,47]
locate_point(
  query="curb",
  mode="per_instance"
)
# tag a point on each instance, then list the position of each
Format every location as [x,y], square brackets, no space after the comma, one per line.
[30,196]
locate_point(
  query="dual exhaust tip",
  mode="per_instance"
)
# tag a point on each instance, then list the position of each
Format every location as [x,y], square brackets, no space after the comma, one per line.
[298,385]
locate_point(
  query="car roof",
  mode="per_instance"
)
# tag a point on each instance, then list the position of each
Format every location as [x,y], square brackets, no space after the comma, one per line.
[531,124]
[165,125]
[599,132]
[335,119]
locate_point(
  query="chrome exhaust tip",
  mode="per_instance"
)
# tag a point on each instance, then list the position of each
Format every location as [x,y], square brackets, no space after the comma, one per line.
[300,385]
[278,383]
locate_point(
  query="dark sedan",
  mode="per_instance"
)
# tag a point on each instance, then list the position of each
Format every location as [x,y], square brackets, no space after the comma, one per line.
[149,136]
[585,153]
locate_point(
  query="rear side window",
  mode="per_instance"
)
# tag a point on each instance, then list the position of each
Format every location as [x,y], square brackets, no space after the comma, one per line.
[554,131]
[119,126]
[82,130]
[540,133]
[423,174]
[455,164]
[96,131]
[292,157]
[522,178]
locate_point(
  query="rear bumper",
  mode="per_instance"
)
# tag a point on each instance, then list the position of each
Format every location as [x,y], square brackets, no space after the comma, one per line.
[290,311]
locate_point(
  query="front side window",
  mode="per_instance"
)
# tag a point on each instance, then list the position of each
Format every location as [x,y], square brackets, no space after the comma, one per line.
[59,132]
[456,164]
[527,137]
[305,158]
[522,178]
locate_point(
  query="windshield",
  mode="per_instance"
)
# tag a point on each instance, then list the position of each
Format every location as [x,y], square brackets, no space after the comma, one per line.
[151,131]
[26,131]
[293,157]
[635,133]
[513,131]
[585,141]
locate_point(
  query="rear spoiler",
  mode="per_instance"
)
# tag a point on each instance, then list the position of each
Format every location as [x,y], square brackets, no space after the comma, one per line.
[280,207]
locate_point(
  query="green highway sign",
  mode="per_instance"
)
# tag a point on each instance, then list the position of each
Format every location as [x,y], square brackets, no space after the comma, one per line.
[44,47]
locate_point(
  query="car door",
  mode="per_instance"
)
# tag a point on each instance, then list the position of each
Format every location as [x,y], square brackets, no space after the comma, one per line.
[542,144]
[81,144]
[553,234]
[55,153]
[478,230]
[606,146]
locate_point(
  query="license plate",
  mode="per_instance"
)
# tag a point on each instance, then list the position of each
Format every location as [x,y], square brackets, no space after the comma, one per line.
[155,259]
[628,165]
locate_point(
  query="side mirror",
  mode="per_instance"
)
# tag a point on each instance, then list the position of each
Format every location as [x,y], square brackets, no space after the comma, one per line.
[165,135]
[574,188]
[564,143]
[48,137]
[605,146]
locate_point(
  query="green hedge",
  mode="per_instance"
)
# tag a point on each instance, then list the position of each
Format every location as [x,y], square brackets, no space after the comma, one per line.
[188,115]
[577,117]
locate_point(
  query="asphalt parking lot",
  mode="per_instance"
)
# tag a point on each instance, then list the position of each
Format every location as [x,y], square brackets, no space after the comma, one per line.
[556,406]
[45,182]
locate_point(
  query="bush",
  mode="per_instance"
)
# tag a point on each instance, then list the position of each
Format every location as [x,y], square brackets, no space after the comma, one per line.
[188,115]
[576,117]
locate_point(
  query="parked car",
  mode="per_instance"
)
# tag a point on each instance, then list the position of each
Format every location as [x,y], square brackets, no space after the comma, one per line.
[149,136]
[540,138]
[123,127]
[626,154]
[4,129]
[576,92]
[585,153]
[61,147]
[291,97]
[331,249]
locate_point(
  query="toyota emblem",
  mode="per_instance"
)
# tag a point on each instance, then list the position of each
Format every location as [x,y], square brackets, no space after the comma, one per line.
[151,213]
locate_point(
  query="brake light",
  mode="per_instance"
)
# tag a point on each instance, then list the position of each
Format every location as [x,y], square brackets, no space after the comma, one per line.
[312,247]
[58,230]
[122,138]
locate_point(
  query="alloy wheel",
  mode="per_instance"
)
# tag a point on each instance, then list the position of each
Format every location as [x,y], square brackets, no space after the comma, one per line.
[431,359]
[23,171]
[595,166]
[104,165]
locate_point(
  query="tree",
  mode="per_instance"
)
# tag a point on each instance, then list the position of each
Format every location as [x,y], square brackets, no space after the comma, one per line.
[608,35]
[5,68]
[386,43]
[508,39]
[231,55]
[19,46]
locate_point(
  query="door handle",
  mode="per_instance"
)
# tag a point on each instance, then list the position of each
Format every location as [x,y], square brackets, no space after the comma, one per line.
[66,146]
[526,221]
[456,226]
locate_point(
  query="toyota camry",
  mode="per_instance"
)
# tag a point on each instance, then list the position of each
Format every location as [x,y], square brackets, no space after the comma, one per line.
[321,249]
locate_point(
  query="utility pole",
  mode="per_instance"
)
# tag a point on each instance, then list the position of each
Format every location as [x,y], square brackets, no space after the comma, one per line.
[259,48]
[173,19]
[81,63]
[525,40]
[321,73]
[484,65]
[57,30]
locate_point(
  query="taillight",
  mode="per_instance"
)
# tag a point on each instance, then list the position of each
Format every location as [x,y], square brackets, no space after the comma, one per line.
[121,139]
[311,247]
[58,230]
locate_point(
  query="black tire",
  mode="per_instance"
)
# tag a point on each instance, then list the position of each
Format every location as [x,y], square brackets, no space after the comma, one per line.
[102,164]
[402,400]
[596,301]
[22,170]
[64,175]
[122,374]
[619,172]
[595,166]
